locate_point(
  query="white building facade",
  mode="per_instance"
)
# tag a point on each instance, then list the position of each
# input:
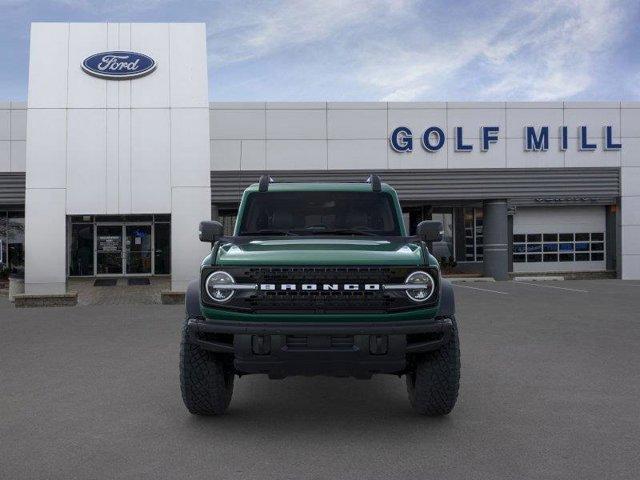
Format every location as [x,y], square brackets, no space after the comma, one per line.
[115,147]
[111,176]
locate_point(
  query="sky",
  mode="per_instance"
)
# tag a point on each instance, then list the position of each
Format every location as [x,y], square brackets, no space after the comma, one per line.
[377,50]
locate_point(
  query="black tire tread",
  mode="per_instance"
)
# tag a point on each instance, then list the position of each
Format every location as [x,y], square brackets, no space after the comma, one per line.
[205,382]
[433,384]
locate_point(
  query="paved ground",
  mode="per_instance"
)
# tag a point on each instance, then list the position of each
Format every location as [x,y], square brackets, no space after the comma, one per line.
[119,294]
[550,389]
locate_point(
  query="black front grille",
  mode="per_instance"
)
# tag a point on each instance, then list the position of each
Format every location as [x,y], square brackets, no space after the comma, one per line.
[357,274]
[320,300]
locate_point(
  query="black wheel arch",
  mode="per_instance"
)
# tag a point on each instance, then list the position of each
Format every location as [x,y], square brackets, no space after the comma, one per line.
[447,306]
[192,300]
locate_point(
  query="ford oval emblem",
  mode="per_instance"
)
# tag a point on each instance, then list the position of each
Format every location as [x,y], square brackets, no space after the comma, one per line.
[118,65]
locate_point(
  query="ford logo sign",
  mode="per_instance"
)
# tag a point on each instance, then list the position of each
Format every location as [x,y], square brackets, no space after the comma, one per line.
[118,65]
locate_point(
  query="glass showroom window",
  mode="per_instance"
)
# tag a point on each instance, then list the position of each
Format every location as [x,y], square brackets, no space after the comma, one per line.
[14,237]
[4,267]
[81,251]
[228,220]
[558,247]
[446,248]
[11,243]
[473,239]
[120,244]
[162,226]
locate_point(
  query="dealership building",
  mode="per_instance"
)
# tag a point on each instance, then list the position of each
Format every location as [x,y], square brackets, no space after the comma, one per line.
[117,154]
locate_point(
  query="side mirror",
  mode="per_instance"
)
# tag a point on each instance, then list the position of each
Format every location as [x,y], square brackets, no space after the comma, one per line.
[210,231]
[430,231]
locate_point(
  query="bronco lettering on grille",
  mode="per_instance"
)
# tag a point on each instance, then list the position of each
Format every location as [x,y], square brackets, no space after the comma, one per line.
[324,287]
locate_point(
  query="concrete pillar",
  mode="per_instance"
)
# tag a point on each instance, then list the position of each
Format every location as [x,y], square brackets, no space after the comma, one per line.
[510,241]
[611,238]
[45,241]
[629,265]
[495,238]
[191,205]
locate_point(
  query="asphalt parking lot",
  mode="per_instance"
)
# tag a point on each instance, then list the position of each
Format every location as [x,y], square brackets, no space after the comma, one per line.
[550,389]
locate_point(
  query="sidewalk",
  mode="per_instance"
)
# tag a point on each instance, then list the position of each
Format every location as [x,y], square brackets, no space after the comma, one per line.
[121,293]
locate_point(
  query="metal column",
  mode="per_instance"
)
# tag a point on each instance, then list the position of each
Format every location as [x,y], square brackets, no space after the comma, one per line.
[495,237]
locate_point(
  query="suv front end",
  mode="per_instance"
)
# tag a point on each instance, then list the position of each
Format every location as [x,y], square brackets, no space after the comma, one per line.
[313,296]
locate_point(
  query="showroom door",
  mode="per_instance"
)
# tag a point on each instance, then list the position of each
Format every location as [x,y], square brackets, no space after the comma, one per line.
[138,249]
[109,258]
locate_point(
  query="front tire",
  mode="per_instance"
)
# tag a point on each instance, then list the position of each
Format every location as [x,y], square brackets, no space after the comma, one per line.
[206,381]
[434,381]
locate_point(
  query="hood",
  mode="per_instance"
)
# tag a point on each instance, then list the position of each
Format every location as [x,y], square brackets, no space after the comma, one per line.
[318,251]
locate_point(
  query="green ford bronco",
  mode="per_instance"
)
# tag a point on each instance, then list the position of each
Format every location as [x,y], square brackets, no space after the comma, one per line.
[320,279]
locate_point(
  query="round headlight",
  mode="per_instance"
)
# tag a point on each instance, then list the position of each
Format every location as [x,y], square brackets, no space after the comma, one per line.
[215,285]
[421,286]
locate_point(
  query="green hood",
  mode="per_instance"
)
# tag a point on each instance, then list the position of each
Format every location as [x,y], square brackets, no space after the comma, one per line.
[320,251]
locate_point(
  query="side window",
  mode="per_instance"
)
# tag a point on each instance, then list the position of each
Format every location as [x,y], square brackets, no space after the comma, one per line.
[558,247]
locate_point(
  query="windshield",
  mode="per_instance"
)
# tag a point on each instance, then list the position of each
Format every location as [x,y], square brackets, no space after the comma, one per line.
[319,213]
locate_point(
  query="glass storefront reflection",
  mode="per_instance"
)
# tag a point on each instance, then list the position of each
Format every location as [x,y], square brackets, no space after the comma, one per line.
[11,242]
[109,249]
[115,248]
[162,248]
[444,249]
[138,248]
[81,252]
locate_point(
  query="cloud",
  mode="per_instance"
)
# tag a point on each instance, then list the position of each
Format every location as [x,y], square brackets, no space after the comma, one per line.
[408,50]
[548,50]
[389,49]
[263,28]
[558,55]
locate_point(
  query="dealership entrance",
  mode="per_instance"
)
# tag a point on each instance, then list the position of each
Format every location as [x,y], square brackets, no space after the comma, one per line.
[108,246]
[123,249]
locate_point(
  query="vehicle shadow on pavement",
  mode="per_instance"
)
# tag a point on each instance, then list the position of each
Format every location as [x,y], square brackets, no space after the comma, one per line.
[309,403]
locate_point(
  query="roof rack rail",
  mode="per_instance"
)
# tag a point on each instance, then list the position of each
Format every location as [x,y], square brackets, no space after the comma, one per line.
[374,180]
[263,183]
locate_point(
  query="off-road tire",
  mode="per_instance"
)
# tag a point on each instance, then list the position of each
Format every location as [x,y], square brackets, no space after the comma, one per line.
[206,381]
[433,381]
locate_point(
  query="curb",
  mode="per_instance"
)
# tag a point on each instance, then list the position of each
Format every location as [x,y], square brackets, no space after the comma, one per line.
[538,279]
[171,298]
[470,279]
[23,300]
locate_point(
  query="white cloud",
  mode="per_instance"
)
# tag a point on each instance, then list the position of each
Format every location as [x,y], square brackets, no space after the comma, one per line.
[416,74]
[569,50]
[545,51]
[259,29]
[402,49]
[408,50]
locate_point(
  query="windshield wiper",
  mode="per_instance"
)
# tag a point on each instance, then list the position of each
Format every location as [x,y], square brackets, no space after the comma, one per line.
[269,231]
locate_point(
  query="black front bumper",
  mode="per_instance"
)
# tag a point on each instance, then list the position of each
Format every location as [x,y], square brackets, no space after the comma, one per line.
[354,349]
